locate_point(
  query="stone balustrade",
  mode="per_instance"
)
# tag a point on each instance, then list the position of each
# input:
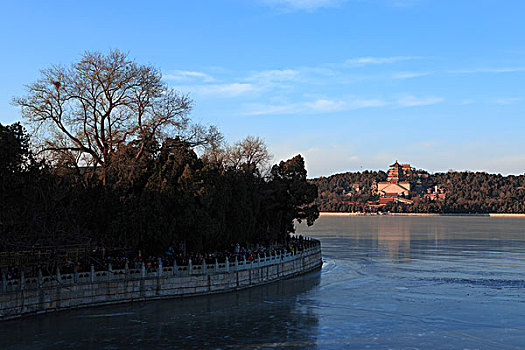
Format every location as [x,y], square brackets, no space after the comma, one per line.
[82,289]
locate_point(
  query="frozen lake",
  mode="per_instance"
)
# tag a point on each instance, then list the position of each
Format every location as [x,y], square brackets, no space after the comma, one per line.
[387,282]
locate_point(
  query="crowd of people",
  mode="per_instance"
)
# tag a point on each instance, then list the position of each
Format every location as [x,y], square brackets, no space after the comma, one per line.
[104,258]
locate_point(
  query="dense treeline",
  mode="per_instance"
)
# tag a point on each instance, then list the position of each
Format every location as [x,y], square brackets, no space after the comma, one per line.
[336,193]
[466,192]
[480,192]
[174,196]
[114,163]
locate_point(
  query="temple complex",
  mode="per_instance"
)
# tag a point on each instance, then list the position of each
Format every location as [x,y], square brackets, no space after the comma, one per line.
[398,181]
[404,185]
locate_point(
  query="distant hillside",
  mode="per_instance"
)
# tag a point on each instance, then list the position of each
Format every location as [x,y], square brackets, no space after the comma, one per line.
[466,192]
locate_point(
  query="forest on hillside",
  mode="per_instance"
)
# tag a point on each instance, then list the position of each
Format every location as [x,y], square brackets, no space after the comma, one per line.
[466,192]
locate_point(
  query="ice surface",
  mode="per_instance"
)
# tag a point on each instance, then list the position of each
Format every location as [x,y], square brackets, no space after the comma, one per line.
[386,283]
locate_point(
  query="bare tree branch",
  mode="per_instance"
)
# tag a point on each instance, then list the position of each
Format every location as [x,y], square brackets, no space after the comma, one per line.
[104,102]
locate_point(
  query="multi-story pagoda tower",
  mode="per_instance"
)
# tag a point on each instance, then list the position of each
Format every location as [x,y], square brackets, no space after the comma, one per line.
[397,183]
[395,173]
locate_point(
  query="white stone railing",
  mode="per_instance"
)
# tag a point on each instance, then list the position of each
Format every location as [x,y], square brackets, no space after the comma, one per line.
[62,280]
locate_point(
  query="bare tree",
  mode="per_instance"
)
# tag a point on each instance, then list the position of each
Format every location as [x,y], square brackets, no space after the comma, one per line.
[84,113]
[251,152]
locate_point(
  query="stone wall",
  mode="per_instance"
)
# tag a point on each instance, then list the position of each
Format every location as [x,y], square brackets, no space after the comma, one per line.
[68,291]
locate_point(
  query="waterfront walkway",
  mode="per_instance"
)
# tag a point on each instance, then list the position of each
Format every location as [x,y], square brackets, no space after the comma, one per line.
[134,265]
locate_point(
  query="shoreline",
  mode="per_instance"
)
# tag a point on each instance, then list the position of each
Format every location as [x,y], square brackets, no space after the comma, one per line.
[491,215]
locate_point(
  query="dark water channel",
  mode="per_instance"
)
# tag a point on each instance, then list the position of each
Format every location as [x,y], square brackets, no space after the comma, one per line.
[387,283]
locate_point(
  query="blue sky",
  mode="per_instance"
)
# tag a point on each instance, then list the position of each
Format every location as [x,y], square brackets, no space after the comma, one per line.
[350,85]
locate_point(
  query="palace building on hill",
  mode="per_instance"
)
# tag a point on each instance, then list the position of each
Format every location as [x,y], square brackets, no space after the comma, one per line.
[400,172]
[387,189]
[397,182]
[404,184]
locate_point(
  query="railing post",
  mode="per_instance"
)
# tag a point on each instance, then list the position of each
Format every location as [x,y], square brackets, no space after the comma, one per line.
[4,282]
[40,281]
[22,280]
[92,273]
[190,267]
[227,265]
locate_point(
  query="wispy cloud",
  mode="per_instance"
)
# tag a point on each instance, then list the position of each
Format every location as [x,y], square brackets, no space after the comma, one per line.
[507,100]
[327,106]
[274,76]
[231,83]
[409,75]
[364,61]
[264,109]
[201,83]
[182,75]
[324,105]
[222,90]
[488,70]
[313,5]
[366,103]
[402,3]
[301,86]
[412,101]
[302,5]
[321,105]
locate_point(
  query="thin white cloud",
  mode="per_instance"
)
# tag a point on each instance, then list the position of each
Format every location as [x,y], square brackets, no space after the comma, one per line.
[316,106]
[277,79]
[326,106]
[507,100]
[364,61]
[313,5]
[488,70]
[409,75]
[402,3]
[412,101]
[302,5]
[262,109]
[182,75]
[338,105]
[222,90]
[275,75]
